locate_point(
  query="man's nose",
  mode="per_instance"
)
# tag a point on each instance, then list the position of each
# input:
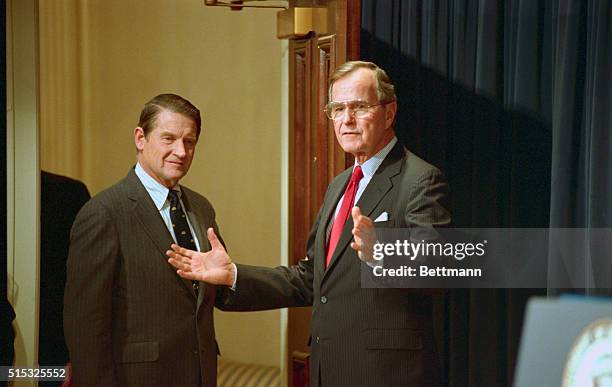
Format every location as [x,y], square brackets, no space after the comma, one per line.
[348,116]
[179,148]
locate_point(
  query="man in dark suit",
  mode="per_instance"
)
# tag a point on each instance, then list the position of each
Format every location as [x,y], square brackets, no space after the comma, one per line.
[129,327]
[359,336]
[61,198]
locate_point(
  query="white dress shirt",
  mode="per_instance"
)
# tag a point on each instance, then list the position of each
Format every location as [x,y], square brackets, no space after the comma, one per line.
[368,168]
[159,195]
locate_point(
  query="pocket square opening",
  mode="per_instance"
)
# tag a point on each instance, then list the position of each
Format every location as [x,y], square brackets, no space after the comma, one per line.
[382,217]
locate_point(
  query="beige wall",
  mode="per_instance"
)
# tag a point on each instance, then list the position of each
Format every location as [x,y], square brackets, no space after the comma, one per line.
[22,165]
[101,60]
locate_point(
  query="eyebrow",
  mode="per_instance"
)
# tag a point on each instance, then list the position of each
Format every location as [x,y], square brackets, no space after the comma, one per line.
[349,101]
[173,135]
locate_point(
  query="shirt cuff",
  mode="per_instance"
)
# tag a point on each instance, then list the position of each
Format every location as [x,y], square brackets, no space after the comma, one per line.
[233,288]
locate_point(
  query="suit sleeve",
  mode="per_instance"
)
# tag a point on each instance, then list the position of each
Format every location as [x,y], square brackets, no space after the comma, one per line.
[92,263]
[427,203]
[424,204]
[262,288]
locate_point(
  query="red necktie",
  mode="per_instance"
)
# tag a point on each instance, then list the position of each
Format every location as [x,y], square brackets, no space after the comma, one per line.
[343,214]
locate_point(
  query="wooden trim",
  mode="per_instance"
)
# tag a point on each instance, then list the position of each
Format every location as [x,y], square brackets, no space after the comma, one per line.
[301,369]
[324,63]
[315,155]
[353,30]
[300,128]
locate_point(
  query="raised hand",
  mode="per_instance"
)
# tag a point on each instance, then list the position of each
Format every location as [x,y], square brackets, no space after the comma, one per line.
[213,266]
[364,235]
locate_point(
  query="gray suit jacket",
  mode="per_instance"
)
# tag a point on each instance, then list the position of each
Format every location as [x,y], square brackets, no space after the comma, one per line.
[359,336]
[129,320]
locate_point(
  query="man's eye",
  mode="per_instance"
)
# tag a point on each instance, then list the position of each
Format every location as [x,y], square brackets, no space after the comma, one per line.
[360,106]
[338,109]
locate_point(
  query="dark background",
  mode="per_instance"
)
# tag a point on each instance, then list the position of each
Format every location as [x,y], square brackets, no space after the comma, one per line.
[511,99]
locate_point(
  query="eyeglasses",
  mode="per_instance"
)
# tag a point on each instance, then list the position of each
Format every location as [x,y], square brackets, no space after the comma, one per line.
[335,110]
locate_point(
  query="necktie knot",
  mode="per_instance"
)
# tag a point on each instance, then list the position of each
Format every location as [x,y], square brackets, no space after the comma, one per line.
[173,197]
[357,174]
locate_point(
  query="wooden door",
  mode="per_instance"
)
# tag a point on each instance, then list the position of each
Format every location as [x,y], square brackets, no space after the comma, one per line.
[315,156]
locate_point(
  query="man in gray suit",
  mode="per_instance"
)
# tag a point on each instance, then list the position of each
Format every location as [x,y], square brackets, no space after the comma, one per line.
[359,336]
[129,327]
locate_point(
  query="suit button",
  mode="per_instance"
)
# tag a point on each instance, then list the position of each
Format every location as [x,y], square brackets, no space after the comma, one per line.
[317,339]
[195,351]
[324,300]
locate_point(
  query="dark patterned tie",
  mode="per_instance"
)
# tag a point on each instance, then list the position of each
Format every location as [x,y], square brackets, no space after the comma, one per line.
[181,227]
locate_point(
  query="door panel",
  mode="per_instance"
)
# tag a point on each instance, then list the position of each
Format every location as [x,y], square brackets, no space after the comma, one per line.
[316,158]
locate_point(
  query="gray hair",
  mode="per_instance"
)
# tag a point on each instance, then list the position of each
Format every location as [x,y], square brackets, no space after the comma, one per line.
[384,88]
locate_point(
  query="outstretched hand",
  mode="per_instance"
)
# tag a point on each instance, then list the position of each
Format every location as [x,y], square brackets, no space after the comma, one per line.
[214,266]
[364,235]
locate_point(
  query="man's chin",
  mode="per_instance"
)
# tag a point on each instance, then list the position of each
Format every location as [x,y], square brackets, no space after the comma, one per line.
[350,147]
[176,176]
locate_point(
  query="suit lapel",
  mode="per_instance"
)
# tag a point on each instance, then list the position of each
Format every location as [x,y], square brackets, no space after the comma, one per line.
[378,187]
[198,228]
[152,222]
[329,206]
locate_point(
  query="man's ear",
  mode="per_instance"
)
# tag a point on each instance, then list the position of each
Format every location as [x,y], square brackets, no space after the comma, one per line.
[390,111]
[139,138]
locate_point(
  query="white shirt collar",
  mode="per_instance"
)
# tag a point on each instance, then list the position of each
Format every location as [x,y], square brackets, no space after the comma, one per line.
[157,191]
[370,166]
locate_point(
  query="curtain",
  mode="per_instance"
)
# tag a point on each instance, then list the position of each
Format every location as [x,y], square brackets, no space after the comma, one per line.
[582,145]
[511,99]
